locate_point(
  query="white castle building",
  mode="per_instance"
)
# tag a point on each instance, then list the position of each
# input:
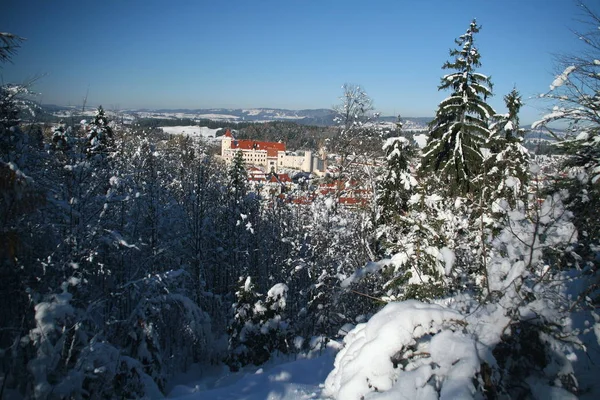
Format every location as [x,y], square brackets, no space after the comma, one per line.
[271,155]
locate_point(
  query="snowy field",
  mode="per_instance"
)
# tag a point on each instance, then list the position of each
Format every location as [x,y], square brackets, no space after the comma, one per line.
[194,131]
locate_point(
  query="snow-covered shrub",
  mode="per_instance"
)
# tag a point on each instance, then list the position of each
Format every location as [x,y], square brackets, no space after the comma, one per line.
[54,339]
[410,350]
[69,360]
[259,328]
[61,137]
[165,331]
[525,278]
[108,373]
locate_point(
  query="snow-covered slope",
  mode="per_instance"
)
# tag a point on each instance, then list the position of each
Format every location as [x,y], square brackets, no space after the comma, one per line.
[300,379]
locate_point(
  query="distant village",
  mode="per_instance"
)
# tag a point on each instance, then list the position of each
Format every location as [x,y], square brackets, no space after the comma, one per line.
[268,165]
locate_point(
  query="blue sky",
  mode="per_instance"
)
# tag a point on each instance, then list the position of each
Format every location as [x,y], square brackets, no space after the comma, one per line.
[279,54]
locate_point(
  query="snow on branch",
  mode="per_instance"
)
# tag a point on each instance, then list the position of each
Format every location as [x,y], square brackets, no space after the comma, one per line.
[562,78]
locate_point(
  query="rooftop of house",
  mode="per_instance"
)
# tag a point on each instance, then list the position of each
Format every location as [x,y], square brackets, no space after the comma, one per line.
[272,148]
[270,178]
[280,178]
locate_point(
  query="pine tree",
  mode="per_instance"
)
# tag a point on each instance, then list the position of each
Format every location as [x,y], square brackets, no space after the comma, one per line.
[507,167]
[9,43]
[396,183]
[99,134]
[393,191]
[460,127]
[243,326]
[238,177]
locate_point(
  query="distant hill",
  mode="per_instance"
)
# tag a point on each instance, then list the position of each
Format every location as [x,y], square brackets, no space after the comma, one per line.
[318,117]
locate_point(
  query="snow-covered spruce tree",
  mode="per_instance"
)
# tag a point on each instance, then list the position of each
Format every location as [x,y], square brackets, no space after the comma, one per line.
[236,217]
[506,173]
[237,184]
[242,322]
[259,326]
[14,100]
[460,127]
[394,187]
[429,255]
[274,323]
[99,134]
[22,234]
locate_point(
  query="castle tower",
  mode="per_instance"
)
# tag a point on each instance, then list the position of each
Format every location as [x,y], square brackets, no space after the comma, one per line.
[226,143]
[323,155]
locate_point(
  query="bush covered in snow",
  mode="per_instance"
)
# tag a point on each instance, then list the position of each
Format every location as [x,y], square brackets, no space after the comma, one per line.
[409,349]
[259,326]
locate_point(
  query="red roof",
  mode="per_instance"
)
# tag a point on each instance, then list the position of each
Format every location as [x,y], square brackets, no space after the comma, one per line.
[247,144]
[280,178]
[228,134]
[284,178]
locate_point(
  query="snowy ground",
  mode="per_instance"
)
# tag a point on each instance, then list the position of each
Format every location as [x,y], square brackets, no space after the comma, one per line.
[292,380]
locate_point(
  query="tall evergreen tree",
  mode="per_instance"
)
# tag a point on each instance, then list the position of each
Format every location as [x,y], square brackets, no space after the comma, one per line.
[393,190]
[99,134]
[238,177]
[460,127]
[396,183]
[507,167]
